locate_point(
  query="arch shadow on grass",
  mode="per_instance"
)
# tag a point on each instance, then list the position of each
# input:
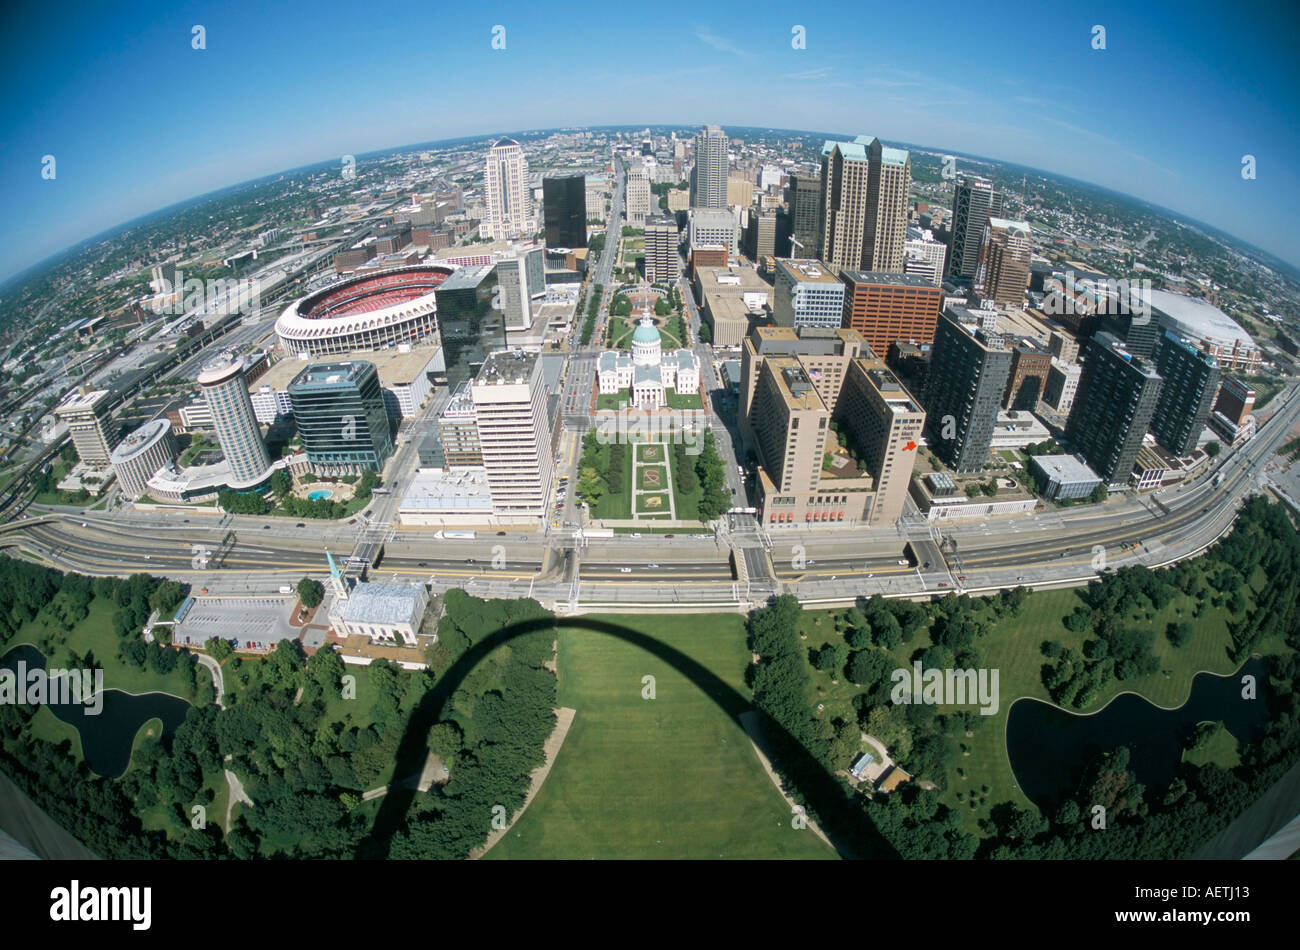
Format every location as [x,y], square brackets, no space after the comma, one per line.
[836,809]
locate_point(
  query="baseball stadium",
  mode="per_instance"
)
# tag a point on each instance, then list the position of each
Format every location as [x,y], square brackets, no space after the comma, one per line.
[370,312]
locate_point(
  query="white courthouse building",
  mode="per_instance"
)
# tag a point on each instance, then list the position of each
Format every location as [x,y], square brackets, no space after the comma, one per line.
[647,371]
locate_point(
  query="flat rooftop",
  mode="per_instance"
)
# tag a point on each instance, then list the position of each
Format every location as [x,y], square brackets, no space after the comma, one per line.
[395,368]
[460,490]
[806,271]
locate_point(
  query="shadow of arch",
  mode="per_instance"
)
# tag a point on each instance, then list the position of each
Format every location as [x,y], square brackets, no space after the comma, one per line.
[837,809]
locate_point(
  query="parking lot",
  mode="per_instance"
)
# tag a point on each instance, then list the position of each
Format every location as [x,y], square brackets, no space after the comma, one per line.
[256,623]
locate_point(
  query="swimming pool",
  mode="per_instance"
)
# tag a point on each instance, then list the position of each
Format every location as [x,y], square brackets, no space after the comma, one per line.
[320,494]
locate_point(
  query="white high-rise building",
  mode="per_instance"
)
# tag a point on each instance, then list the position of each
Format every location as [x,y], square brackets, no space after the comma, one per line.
[505,187]
[638,196]
[514,436]
[709,175]
[923,256]
[93,433]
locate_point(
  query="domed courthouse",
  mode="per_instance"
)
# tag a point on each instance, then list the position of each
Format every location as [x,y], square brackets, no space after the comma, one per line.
[648,372]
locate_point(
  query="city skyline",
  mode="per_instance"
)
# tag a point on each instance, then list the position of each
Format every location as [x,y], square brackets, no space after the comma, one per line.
[112,168]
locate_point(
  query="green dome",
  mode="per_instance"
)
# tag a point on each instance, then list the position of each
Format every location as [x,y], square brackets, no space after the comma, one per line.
[645,333]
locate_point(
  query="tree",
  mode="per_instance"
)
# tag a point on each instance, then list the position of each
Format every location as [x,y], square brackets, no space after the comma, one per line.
[310,592]
[219,648]
[1099,494]
[1212,449]
[1179,634]
[281,483]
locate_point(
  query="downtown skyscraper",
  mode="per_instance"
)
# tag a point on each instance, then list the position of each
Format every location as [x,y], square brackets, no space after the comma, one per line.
[505,192]
[709,175]
[864,188]
[974,201]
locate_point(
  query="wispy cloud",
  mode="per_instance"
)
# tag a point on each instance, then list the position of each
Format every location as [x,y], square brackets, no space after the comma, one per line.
[814,75]
[721,43]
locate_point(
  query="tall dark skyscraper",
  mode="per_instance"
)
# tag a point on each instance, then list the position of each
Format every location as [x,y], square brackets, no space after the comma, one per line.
[1191,383]
[1137,329]
[1117,397]
[564,210]
[805,196]
[469,325]
[340,414]
[968,375]
[974,200]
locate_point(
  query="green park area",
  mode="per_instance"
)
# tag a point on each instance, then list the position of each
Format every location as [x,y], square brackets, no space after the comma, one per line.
[670,777]
[697,479]
[1140,631]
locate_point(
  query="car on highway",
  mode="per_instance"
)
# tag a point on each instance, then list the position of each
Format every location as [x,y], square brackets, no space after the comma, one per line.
[300,524]
[652,566]
[501,534]
[83,524]
[625,570]
[470,560]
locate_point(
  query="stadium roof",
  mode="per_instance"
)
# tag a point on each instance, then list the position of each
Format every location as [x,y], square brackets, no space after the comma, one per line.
[1192,316]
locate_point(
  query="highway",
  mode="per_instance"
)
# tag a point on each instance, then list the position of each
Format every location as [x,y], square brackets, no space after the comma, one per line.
[1050,548]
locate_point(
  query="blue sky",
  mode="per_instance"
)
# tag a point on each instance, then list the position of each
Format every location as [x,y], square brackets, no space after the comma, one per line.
[138,120]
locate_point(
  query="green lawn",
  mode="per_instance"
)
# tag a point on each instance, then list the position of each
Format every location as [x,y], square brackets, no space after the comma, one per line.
[676,400]
[50,728]
[1013,648]
[617,505]
[612,400]
[1221,749]
[95,635]
[671,777]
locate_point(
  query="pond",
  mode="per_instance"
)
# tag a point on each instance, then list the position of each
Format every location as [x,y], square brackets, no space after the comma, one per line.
[106,737]
[1049,748]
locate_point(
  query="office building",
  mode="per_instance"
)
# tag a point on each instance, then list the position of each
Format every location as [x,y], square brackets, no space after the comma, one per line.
[505,193]
[732,300]
[564,210]
[1117,396]
[663,263]
[806,294]
[709,173]
[740,190]
[883,421]
[470,326]
[458,430]
[804,195]
[341,417]
[1064,477]
[1003,272]
[521,274]
[886,308]
[225,390]
[1064,347]
[89,424]
[1236,401]
[793,383]
[864,192]
[714,229]
[766,236]
[823,353]
[509,396]
[1191,382]
[1061,386]
[1030,365]
[137,457]
[974,201]
[968,375]
[638,196]
[923,256]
